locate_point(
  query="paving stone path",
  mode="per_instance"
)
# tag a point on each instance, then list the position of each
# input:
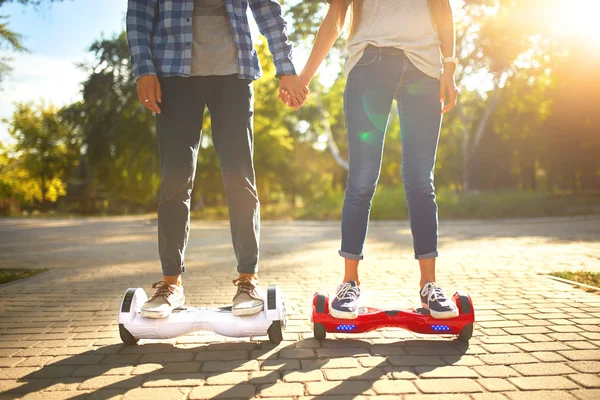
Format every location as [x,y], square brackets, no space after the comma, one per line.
[535,338]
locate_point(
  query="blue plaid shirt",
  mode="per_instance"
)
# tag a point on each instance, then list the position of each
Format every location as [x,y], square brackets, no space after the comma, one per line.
[160,36]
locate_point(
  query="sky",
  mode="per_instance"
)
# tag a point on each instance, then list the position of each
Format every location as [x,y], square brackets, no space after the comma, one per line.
[57,38]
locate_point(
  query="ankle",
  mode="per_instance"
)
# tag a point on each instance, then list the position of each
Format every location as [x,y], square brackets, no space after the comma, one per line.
[351,278]
[252,277]
[173,280]
[425,282]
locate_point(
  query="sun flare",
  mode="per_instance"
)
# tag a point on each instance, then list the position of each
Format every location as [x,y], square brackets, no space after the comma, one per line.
[576,18]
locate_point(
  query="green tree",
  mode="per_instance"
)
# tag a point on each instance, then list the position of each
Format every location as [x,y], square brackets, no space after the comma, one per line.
[35,3]
[503,39]
[118,132]
[45,150]
[288,166]
[570,137]
[8,40]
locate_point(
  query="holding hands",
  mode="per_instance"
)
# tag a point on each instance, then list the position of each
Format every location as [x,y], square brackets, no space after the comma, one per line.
[293,90]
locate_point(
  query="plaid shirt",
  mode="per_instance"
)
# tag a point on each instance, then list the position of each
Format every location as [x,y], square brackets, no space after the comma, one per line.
[160,36]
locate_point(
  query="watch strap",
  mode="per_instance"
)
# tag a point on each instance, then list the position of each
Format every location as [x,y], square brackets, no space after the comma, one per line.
[451,60]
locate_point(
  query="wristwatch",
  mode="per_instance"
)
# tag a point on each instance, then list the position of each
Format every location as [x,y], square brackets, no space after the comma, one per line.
[451,60]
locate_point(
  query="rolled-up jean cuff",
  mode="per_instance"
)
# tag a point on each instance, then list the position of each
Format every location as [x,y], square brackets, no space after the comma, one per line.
[247,269]
[426,256]
[350,256]
[173,271]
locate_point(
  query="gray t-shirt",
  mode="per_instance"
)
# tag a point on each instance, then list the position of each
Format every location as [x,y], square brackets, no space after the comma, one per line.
[214,51]
[403,24]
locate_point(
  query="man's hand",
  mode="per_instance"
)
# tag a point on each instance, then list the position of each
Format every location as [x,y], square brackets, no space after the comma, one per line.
[148,90]
[292,91]
[448,88]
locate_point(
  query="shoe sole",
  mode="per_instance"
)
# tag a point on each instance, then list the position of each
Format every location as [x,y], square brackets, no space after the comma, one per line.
[160,314]
[343,314]
[155,314]
[240,312]
[440,314]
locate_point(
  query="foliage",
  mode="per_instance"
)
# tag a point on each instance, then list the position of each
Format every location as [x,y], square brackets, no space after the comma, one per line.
[118,133]
[571,133]
[585,277]
[9,275]
[18,183]
[281,150]
[10,40]
[305,14]
[45,151]
[390,204]
[34,3]
[526,132]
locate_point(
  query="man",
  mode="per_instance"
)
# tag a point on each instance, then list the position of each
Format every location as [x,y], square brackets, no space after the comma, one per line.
[188,55]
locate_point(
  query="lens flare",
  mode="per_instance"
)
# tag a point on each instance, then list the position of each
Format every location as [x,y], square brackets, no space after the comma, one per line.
[376,109]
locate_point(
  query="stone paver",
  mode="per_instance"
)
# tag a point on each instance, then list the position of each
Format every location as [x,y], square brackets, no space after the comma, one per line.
[160,393]
[535,338]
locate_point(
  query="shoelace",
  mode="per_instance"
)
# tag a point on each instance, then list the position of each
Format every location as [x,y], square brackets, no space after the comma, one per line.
[434,293]
[348,292]
[163,289]
[245,285]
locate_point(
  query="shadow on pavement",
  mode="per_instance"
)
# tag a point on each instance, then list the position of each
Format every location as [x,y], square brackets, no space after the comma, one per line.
[158,362]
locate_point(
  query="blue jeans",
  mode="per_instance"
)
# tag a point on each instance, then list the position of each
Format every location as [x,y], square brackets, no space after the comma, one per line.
[230,101]
[381,75]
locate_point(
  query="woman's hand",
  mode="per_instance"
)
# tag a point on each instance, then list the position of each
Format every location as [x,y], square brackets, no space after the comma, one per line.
[305,78]
[448,91]
[292,91]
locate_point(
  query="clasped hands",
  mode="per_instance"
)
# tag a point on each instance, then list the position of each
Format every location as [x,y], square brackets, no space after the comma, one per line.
[293,90]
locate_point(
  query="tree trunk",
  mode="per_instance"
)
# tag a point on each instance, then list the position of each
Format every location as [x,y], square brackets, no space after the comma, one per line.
[491,107]
[533,176]
[550,179]
[468,148]
[331,145]
[43,189]
[465,148]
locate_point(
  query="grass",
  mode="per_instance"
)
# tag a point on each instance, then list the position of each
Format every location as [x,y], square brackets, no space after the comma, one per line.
[515,204]
[9,275]
[390,204]
[585,277]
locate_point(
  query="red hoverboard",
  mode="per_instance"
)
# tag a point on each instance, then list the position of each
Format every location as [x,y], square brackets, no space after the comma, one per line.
[418,321]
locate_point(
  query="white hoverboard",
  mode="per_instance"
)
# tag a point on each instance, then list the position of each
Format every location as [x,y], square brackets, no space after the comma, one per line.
[184,320]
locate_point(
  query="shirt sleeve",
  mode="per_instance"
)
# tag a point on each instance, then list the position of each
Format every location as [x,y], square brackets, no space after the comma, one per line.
[139,25]
[271,24]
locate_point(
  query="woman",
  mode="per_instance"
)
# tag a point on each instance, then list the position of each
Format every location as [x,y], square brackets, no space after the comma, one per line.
[395,52]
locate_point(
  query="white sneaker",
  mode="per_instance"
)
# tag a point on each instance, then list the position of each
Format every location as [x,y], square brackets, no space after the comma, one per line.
[166,298]
[434,299]
[248,299]
[345,303]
